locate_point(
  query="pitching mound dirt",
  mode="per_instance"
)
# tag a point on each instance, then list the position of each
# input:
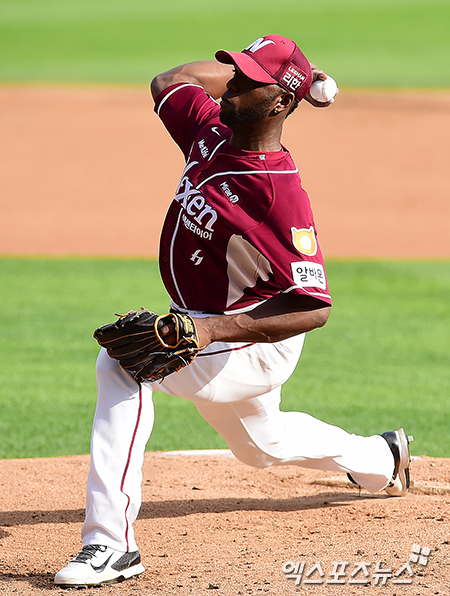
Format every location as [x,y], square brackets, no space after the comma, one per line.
[210,524]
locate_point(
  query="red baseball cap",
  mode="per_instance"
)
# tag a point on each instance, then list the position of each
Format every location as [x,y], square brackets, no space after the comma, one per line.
[273,59]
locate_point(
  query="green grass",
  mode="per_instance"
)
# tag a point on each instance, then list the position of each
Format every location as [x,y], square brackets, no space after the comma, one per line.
[381,361]
[48,311]
[381,43]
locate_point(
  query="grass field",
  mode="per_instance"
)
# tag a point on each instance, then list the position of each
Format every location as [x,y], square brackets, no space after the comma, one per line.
[380,362]
[381,43]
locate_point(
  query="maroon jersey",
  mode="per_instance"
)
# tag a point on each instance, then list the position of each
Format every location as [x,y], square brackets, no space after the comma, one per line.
[240,228]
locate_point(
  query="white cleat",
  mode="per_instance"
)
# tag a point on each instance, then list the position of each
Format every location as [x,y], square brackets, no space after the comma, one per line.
[98,565]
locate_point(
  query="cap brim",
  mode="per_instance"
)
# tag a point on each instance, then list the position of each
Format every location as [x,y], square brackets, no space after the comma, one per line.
[246,64]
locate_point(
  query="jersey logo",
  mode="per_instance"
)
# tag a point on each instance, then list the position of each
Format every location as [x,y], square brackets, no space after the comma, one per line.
[228,192]
[258,44]
[216,130]
[304,240]
[196,258]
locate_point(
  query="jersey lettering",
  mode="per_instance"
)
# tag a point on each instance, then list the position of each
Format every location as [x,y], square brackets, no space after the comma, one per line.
[184,195]
[203,148]
[195,205]
[228,193]
[207,211]
[190,225]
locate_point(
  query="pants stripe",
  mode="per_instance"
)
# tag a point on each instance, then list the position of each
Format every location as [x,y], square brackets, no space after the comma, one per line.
[128,465]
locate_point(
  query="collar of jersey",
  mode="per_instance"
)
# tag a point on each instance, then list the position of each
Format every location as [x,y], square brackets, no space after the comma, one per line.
[268,156]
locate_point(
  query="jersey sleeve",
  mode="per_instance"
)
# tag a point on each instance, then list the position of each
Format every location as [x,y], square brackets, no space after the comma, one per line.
[184,108]
[288,240]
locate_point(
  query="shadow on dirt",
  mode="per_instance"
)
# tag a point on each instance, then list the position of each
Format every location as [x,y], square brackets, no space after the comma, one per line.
[181,508]
[41,581]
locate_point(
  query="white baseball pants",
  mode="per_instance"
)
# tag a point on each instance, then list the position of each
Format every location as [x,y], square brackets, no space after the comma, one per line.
[237,389]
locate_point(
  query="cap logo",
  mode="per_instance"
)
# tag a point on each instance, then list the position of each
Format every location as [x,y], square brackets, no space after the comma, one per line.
[293,78]
[259,44]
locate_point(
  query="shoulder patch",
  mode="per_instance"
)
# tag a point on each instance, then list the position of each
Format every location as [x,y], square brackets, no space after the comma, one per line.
[304,240]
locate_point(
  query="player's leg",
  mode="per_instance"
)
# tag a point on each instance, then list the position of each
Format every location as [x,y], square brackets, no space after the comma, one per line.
[122,425]
[238,393]
[261,435]
[228,372]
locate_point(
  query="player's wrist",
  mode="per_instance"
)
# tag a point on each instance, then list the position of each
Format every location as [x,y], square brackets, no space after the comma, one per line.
[203,331]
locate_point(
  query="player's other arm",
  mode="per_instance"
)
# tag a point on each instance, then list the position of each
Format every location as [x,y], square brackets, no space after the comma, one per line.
[280,317]
[209,74]
[213,77]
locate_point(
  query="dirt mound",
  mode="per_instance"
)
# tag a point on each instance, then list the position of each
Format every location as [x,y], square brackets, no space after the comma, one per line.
[211,523]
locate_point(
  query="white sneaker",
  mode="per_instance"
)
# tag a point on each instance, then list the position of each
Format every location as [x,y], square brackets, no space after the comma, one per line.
[98,565]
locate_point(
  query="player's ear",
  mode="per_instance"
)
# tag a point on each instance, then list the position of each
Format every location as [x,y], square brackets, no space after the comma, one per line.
[284,102]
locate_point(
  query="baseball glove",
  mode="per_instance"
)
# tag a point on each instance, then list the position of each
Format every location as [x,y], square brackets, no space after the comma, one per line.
[135,341]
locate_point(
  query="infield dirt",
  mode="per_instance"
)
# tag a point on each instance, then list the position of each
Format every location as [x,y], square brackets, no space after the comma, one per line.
[76,164]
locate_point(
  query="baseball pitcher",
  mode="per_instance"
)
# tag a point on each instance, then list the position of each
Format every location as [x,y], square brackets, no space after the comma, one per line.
[241,261]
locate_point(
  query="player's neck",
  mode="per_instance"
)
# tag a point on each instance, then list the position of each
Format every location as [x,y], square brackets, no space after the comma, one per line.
[256,138]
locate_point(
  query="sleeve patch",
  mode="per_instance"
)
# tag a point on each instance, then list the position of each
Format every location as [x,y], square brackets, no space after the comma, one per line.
[304,240]
[307,274]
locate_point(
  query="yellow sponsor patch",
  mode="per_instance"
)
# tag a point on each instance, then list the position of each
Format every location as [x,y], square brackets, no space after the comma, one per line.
[304,240]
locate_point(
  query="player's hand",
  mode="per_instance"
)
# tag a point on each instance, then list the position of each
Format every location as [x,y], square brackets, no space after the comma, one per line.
[317,74]
[168,334]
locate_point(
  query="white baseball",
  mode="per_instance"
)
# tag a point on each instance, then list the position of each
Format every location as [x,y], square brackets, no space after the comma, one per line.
[324,91]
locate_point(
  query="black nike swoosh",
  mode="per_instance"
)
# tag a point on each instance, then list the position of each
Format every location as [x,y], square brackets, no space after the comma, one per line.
[101,568]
